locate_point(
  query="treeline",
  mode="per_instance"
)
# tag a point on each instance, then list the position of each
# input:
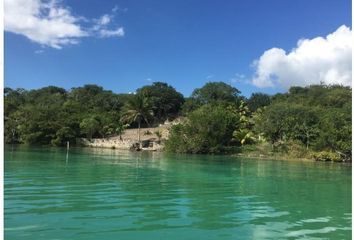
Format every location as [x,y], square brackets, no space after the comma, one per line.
[217,118]
[306,121]
[52,115]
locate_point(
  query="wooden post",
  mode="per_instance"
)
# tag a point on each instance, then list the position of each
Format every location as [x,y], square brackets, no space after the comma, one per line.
[67,151]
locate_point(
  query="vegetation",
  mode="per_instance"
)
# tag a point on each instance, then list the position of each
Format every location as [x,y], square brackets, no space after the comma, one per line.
[326,156]
[137,109]
[209,129]
[165,101]
[216,91]
[299,123]
[313,121]
[158,135]
[258,100]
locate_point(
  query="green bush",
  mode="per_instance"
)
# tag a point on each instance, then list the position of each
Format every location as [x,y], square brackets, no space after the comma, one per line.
[326,156]
[208,129]
[292,148]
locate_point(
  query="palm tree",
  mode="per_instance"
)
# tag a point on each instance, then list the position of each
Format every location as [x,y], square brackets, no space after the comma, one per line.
[137,109]
[243,136]
[158,134]
[120,129]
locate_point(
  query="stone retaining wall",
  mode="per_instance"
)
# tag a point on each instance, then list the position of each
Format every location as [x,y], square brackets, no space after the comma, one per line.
[125,144]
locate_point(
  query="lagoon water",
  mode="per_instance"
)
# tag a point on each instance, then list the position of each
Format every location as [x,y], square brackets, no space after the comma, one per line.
[108,194]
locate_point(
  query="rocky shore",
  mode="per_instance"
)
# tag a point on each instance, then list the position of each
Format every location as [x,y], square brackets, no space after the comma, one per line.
[151,139]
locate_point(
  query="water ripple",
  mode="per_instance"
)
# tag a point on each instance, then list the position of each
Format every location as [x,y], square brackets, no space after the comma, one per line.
[108,195]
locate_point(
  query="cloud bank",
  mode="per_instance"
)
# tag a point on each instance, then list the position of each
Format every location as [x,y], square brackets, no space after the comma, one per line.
[312,61]
[49,23]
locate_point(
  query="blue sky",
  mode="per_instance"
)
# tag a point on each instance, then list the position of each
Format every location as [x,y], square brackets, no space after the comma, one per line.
[184,43]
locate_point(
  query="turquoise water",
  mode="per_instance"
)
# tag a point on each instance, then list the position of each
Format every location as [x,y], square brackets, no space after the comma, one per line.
[107,194]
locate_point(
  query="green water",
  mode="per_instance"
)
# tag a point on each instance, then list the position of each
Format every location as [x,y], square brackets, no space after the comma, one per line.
[107,194]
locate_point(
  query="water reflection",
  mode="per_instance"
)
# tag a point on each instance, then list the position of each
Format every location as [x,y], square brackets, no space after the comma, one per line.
[87,193]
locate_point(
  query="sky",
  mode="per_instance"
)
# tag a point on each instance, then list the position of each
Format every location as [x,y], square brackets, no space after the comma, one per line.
[121,45]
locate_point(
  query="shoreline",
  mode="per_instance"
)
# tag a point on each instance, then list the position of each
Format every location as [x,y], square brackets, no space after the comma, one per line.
[247,155]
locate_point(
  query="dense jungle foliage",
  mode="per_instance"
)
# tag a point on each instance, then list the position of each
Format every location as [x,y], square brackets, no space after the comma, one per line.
[217,118]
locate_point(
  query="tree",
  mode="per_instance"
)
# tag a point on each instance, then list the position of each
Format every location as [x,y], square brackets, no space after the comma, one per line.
[93,98]
[302,124]
[120,129]
[137,110]
[47,97]
[158,134]
[216,91]
[244,134]
[13,99]
[11,129]
[258,100]
[288,122]
[165,101]
[63,135]
[45,115]
[335,130]
[190,105]
[208,129]
[85,94]
[90,126]
[271,123]
[317,117]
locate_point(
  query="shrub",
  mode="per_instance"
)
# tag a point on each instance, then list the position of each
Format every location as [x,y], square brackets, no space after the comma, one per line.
[208,129]
[326,156]
[294,149]
[147,132]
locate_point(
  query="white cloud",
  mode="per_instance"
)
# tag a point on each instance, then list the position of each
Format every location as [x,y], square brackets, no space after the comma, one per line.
[118,9]
[327,60]
[49,23]
[119,32]
[101,27]
[44,23]
[104,20]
